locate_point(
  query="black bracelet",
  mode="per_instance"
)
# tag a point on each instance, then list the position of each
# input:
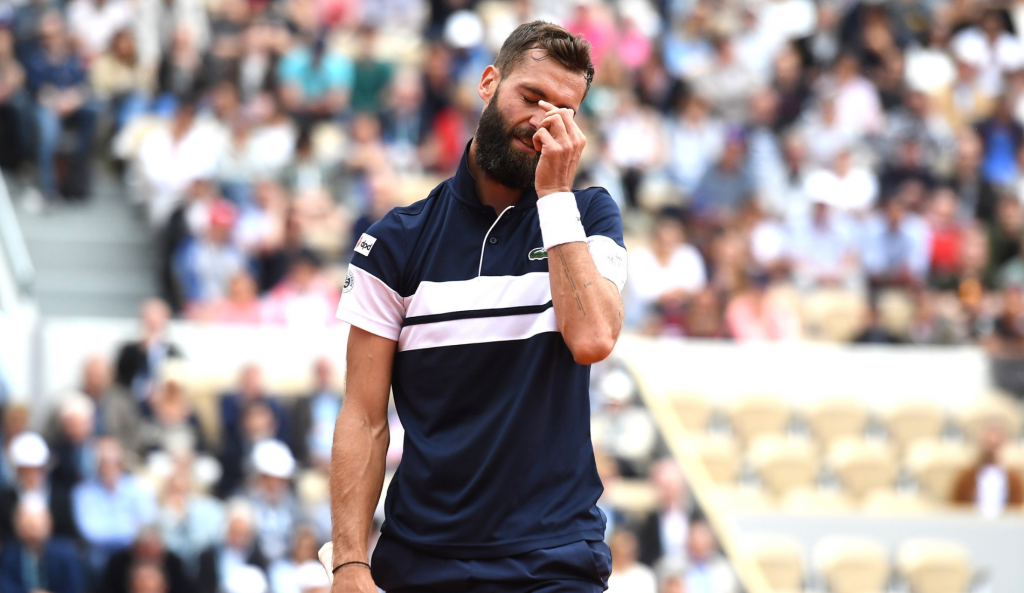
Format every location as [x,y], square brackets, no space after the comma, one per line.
[344,564]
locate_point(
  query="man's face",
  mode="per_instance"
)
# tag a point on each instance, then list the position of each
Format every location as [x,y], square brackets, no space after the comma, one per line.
[504,135]
[33,526]
[31,478]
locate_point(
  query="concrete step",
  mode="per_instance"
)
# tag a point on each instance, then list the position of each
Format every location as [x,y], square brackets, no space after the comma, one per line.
[60,305]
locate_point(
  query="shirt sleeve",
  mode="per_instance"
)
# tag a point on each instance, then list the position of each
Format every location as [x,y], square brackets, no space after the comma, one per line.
[602,223]
[371,298]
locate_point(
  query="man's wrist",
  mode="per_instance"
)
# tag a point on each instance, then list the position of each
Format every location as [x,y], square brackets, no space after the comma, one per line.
[559,219]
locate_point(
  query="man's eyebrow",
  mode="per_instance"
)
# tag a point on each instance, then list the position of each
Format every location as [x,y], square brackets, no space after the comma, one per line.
[536,91]
[540,93]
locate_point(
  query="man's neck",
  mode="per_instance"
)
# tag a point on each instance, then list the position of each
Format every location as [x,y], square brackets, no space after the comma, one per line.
[490,192]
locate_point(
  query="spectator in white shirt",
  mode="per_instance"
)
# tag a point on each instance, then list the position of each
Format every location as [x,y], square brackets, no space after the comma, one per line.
[991,48]
[858,107]
[988,485]
[823,248]
[628,575]
[94,22]
[171,158]
[667,273]
[853,189]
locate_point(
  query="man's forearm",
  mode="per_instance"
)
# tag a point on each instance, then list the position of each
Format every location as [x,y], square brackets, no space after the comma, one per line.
[587,305]
[357,476]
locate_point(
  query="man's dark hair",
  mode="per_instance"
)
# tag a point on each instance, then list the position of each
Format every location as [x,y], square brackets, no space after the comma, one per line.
[571,51]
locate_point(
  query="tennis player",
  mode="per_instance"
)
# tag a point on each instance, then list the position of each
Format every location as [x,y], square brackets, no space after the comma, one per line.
[482,308]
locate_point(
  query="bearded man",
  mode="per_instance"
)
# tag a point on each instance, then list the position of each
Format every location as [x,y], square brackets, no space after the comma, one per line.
[482,308]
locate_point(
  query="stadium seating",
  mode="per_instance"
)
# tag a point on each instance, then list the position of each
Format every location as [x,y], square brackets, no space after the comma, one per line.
[936,464]
[908,420]
[934,566]
[756,415]
[852,564]
[784,463]
[780,558]
[831,419]
[863,466]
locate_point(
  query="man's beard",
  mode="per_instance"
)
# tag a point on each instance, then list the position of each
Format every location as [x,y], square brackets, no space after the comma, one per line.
[495,156]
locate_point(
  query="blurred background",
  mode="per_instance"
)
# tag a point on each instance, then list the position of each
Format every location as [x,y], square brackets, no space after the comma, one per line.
[818,388]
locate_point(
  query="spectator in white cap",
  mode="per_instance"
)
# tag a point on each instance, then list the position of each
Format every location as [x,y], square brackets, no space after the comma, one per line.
[823,242]
[276,508]
[30,457]
[239,548]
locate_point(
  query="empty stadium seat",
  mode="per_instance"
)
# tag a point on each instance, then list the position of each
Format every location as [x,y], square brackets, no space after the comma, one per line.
[740,499]
[780,558]
[936,465]
[753,416]
[886,501]
[863,466]
[834,418]
[832,315]
[990,408]
[908,420]
[719,454]
[694,409]
[817,501]
[934,566]
[784,463]
[852,564]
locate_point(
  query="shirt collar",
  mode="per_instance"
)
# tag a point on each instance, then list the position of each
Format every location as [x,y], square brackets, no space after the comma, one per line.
[464,185]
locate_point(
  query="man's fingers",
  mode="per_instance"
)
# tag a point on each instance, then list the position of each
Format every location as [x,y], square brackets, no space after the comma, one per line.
[541,138]
[556,124]
[573,131]
[326,556]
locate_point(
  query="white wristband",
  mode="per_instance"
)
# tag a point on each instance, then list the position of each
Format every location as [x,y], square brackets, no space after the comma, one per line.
[559,219]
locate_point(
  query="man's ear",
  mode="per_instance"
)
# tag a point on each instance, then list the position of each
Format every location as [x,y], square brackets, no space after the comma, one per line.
[488,84]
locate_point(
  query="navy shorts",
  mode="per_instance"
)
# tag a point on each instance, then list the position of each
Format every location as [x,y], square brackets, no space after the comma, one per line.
[579,567]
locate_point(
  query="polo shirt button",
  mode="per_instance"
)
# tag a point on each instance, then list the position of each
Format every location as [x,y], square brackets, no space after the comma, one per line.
[493,240]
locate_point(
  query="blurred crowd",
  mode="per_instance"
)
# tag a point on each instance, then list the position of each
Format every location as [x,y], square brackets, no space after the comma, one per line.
[124,483]
[849,170]
[846,170]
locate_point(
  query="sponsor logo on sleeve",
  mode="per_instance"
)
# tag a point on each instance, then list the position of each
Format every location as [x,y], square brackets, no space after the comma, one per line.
[365,244]
[350,281]
[537,253]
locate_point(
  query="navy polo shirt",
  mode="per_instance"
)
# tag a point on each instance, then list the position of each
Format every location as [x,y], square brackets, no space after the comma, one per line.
[497,456]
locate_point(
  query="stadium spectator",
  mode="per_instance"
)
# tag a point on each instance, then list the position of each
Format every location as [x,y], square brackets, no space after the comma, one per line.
[313,418]
[286,574]
[30,456]
[728,83]
[240,547]
[875,331]
[727,186]
[57,79]
[663,533]
[138,362]
[241,305]
[823,247]
[171,157]
[170,421]
[316,82]
[247,416]
[180,73]
[75,443]
[707,571]
[205,264]
[989,486]
[305,298]
[274,505]
[371,76]
[759,313]
[95,23]
[111,508]
[696,140]
[896,246]
[158,21]
[628,575]
[121,80]
[13,134]
[147,549]
[190,521]
[116,412]
[38,560]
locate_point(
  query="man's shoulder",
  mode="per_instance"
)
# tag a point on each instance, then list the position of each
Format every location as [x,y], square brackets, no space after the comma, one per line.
[403,219]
